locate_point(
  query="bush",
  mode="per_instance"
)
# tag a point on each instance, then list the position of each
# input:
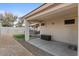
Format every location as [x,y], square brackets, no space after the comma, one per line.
[19,36]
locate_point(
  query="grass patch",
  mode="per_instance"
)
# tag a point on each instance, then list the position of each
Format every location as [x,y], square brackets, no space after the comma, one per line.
[19,36]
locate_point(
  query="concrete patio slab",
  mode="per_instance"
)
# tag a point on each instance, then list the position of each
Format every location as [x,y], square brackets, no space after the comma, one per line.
[53,47]
[33,49]
[10,47]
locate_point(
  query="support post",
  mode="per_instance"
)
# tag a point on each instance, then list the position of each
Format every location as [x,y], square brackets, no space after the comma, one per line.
[78,29]
[26,30]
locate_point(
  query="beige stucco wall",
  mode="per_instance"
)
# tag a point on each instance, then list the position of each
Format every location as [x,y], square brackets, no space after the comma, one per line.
[60,31]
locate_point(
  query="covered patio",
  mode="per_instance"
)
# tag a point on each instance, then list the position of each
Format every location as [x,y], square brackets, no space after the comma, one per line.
[59,21]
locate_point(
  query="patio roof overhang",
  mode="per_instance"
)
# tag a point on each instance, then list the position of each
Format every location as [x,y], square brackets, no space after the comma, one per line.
[51,10]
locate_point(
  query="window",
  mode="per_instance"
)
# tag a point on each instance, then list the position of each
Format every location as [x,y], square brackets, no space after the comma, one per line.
[70,21]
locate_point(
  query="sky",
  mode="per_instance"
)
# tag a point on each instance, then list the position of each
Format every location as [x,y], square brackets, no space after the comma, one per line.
[19,9]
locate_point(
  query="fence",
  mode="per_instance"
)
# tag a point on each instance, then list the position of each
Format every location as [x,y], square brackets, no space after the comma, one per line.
[12,30]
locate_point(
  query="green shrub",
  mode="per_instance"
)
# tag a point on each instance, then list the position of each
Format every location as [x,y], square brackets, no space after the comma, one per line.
[19,36]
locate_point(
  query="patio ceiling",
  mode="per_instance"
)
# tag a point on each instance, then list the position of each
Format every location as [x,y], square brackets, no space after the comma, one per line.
[55,12]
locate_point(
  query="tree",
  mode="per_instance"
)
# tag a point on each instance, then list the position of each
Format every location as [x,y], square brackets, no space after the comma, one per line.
[20,23]
[8,19]
[1,17]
